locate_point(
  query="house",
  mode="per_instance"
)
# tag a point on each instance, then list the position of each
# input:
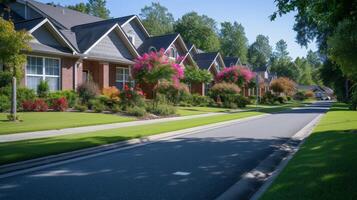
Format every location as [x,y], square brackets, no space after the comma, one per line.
[231,61]
[264,77]
[69,47]
[320,92]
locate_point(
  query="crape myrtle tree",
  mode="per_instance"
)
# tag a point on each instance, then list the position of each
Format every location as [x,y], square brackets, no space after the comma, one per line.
[12,45]
[333,25]
[235,74]
[155,67]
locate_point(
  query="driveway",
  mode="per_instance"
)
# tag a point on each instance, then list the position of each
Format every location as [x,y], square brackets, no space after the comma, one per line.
[197,166]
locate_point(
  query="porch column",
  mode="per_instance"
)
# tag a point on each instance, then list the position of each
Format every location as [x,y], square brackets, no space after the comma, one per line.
[103,75]
[77,74]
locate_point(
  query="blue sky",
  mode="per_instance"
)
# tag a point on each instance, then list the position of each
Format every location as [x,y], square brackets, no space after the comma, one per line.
[252,14]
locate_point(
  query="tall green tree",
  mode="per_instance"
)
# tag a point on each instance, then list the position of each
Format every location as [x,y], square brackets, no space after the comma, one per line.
[93,7]
[259,52]
[81,7]
[233,40]
[281,49]
[199,30]
[305,71]
[333,25]
[12,45]
[98,8]
[157,19]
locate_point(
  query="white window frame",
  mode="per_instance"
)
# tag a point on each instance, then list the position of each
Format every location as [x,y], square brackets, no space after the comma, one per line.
[129,76]
[175,52]
[43,75]
[132,36]
[218,67]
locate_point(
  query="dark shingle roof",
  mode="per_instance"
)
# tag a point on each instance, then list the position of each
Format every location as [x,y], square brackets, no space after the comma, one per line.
[228,61]
[205,60]
[64,16]
[86,35]
[28,24]
[158,42]
[261,68]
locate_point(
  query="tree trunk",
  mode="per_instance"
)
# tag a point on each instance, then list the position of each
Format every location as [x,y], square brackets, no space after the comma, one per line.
[13,99]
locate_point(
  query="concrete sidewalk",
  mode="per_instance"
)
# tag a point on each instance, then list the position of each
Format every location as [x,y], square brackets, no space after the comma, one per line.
[87,129]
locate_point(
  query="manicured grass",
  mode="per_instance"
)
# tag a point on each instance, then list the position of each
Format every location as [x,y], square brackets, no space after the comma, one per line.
[325,166]
[37,121]
[195,110]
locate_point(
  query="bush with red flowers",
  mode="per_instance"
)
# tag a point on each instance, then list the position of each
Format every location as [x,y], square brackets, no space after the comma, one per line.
[39,105]
[130,97]
[60,104]
[28,105]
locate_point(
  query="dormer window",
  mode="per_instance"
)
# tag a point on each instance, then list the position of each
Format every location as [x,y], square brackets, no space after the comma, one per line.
[218,67]
[131,37]
[172,52]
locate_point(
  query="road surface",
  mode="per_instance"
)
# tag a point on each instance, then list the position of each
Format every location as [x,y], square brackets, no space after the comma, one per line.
[198,166]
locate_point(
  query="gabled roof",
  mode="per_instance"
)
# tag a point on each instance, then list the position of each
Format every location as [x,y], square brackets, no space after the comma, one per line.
[205,60]
[130,18]
[158,42]
[67,18]
[33,24]
[229,61]
[261,68]
[27,25]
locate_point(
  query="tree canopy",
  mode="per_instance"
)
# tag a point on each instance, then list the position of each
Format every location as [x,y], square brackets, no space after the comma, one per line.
[93,7]
[13,43]
[260,51]
[233,41]
[157,19]
[199,30]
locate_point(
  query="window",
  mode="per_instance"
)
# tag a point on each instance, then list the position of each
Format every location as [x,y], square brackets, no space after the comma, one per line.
[122,77]
[172,52]
[42,68]
[131,37]
[218,67]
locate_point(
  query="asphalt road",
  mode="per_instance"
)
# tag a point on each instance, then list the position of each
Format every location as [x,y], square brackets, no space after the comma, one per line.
[197,166]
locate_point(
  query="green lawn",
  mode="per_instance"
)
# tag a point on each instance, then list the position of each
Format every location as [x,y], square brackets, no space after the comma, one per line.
[325,166]
[195,110]
[36,121]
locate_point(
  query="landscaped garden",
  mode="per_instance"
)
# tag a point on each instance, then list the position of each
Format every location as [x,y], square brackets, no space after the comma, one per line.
[325,165]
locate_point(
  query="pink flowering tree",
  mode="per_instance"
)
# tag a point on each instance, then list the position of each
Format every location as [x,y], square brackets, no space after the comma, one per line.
[236,74]
[155,67]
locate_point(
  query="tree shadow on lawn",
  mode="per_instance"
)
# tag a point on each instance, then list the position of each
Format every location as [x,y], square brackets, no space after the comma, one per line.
[324,168]
[147,172]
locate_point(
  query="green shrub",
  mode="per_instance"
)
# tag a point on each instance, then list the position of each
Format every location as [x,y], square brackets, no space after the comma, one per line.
[299,96]
[130,97]
[281,99]
[224,91]
[136,111]
[5,78]
[242,101]
[174,93]
[70,95]
[24,94]
[107,101]
[43,89]
[163,110]
[5,103]
[11,117]
[198,100]
[6,91]
[268,98]
[97,106]
[115,109]
[87,91]
[80,107]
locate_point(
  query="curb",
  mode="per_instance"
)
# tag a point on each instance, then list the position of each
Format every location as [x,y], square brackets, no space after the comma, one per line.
[22,167]
[254,183]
